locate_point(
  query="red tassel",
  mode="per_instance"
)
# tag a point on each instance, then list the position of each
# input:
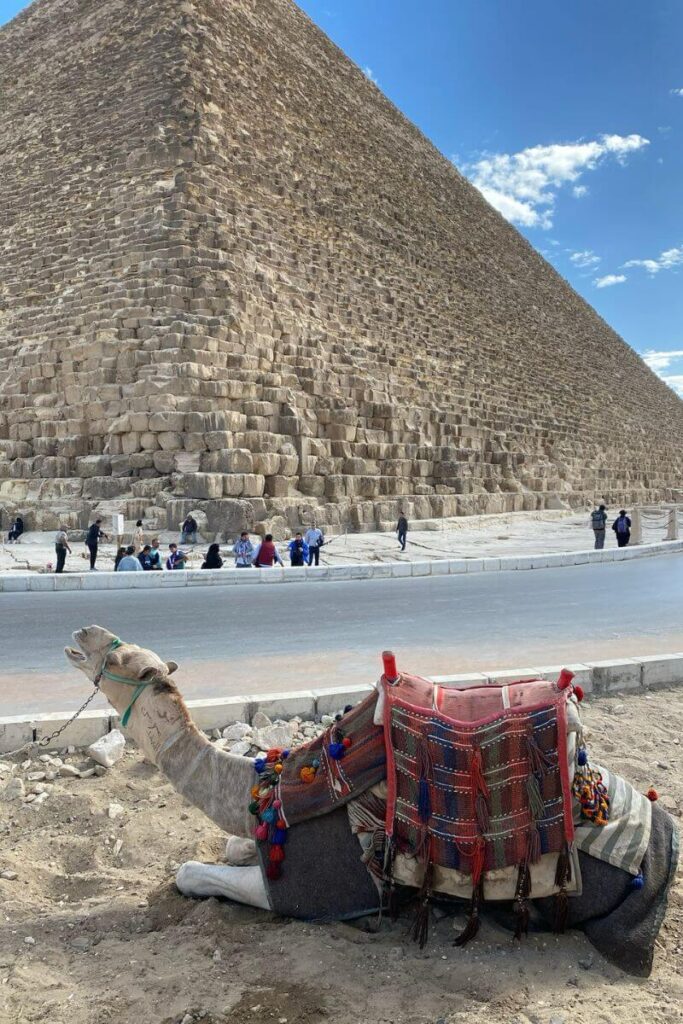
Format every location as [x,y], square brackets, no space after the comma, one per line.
[273,872]
[533,846]
[477,775]
[478,858]
[472,926]
[578,692]
[652,794]
[276,855]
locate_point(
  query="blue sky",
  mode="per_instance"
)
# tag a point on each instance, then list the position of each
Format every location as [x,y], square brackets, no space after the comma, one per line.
[567,116]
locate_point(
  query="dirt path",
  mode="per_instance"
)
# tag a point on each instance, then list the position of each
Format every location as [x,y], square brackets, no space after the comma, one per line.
[114,942]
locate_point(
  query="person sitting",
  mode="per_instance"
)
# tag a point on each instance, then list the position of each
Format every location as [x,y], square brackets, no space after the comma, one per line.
[213,558]
[298,551]
[243,551]
[266,554]
[16,530]
[176,558]
[129,562]
[188,531]
[145,558]
[155,554]
[119,555]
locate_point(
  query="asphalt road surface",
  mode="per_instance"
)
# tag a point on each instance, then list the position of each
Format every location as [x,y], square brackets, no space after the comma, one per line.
[230,640]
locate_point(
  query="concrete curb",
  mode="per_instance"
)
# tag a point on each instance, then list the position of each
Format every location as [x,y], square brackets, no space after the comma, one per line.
[598,677]
[13,582]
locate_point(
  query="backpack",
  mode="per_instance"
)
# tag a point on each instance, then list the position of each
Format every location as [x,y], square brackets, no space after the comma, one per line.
[598,520]
[622,524]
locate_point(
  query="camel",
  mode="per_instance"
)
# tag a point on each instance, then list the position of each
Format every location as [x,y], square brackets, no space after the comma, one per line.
[327,856]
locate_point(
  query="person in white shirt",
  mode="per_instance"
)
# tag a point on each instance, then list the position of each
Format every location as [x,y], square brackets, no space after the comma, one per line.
[314,539]
[61,548]
[129,562]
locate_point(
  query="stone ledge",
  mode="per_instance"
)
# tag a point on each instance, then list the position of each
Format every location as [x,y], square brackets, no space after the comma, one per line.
[599,677]
[13,582]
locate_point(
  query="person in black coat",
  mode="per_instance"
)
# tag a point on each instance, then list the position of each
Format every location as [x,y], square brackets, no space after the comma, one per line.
[622,528]
[16,530]
[213,558]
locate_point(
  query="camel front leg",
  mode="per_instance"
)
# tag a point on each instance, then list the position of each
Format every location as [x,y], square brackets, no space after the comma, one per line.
[240,884]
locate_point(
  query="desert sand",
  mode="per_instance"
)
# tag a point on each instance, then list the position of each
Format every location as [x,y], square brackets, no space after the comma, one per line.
[93,931]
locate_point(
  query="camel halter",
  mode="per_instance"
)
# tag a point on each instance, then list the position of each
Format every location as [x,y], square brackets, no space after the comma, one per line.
[104,672]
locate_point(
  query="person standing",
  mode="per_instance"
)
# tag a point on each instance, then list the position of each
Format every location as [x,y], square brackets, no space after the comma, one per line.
[298,551]
[188,531]
[213,558]
[61,548]
[266,554]
[16,530]
[402,531]
[138,539]
[599,523]
[243,551]
[130,562]
[92,538]
[155,554]
[145,558]
[622,528]
[314,539]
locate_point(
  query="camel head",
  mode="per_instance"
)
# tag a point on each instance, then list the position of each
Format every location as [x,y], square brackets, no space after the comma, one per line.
[102,654]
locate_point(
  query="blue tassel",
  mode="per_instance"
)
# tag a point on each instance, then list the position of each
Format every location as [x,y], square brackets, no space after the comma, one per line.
[316,762]
[638,882]
[424,804]
[279,837]
[582,757]
[336,751]
[269,815]
[259,765]
[284,755]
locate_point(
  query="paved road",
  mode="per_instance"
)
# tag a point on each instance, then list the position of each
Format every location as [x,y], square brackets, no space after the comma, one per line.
[261,638]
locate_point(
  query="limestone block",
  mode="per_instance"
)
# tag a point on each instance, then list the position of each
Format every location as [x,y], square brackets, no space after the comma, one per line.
[130,443]
[280,486]
[312,485]
[253,485]
[71,446]
[267,463]
[201,485]
[149,441]
[167,422]
[139,421]
[93,465]
[164,462]
[120,465]
[169,441]
[194,442]
[289,465]
[233,485]
[214,440]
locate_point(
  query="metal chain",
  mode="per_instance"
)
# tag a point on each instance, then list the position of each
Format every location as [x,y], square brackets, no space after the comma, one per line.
[46,740]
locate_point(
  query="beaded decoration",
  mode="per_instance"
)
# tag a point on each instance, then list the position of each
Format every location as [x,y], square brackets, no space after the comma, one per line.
[266,807]
[590,791]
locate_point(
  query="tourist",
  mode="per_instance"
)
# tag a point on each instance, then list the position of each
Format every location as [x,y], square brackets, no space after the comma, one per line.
[61,547]
[145,558]
[16,530]
[129,562]
[298,551]
[243,550]
[314,539]
[92,538]
[188,531]
[155,553]
[213,558]
[402,531]
[176,558]
[138,539]
[622,528]
[598,523]
[266,554]
[118,556]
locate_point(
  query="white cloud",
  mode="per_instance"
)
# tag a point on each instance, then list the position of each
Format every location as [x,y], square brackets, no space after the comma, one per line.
[523,186]
[587,258]
[677,92]
[666,260]
[369,73]
[608,280]
[579,191]
[659,361]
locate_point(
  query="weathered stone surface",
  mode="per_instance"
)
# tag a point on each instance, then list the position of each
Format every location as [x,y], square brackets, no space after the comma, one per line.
[277,315]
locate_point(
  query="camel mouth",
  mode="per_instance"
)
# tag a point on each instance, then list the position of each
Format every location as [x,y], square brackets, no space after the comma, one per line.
[73,654]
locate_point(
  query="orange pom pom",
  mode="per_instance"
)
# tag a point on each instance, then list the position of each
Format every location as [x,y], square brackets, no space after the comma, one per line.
[281,823]
[307,774]
[652,794]
[255,792]
[278,768]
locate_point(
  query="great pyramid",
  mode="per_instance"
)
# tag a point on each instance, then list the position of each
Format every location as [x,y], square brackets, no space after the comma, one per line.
[234,277]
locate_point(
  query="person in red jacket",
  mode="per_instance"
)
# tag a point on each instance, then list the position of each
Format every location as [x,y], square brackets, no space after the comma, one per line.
[266,554]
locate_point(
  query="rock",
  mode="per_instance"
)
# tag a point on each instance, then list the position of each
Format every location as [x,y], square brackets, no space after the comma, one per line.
[87,773]
[586,962]
[67,771]
[187,1019]
[260,721]
[115,810]
[240,851]
[100,770]
[660,764]
[45,758]
[80,942]
[36,776]
[118,846]
[273,736]
[107,750]
[326,720]
[29,940]
[242,747]
[39,799]
[9,876]
[14,790]
[237,731]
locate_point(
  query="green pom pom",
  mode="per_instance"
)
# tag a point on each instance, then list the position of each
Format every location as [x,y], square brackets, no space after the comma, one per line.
[253,807]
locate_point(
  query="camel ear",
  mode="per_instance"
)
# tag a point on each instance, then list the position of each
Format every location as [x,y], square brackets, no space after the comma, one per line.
[172,667]
[145,674]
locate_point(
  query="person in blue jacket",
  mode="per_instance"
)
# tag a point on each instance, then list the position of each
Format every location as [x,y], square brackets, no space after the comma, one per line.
[298,550]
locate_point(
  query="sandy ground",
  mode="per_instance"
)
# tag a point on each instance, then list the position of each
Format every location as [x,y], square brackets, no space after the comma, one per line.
[514,534]
[113,941]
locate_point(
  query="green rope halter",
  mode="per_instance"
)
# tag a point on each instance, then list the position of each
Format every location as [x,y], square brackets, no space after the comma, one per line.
[139,686]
